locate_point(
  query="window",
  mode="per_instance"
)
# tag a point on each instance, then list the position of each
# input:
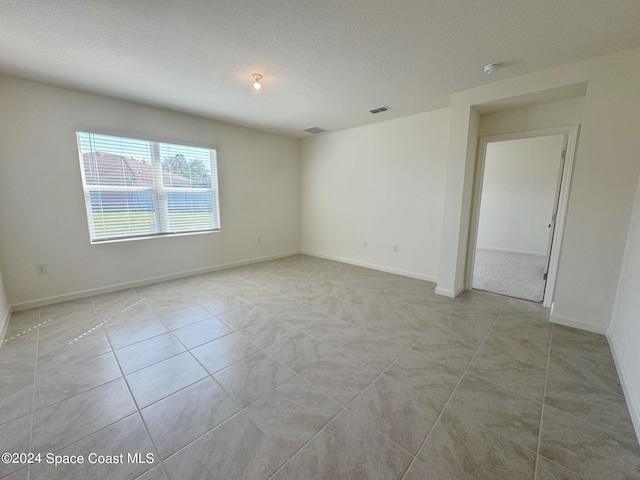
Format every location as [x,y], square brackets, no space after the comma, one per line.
[137,188]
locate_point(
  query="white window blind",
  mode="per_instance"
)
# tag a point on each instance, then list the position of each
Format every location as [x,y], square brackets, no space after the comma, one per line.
[137,188]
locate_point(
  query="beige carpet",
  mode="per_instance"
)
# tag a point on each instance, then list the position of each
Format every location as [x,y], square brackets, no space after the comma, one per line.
[512,274]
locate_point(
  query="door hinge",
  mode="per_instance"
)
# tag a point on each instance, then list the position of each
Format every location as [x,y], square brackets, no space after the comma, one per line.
[564,154]
[554,216]
[544,276]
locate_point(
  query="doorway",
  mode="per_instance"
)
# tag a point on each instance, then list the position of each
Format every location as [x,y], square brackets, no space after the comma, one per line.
[521,193]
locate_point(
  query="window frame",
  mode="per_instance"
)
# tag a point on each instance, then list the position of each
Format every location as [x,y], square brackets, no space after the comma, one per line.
[158,190]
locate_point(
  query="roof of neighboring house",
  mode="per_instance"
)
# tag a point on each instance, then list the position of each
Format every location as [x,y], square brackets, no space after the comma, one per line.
[109,169]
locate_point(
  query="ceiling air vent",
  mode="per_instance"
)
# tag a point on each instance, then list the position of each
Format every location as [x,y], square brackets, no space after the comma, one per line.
[315,130]
[380,109]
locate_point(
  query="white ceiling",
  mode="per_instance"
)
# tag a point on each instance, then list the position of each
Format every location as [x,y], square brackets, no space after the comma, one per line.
[324,63]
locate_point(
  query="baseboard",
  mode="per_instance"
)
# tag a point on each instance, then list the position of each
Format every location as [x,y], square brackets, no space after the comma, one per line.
[373,266]
[139,283]
[508,250]
[449,293]
[5,324]
[629,395]
[570,322]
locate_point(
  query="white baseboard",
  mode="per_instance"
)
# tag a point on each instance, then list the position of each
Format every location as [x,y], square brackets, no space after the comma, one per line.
[373,266]
[629,395]
[570,322]
[139,283]
[449,293]
[4,318]
[508,250]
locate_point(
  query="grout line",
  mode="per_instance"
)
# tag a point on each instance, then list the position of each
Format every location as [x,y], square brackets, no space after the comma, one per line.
[346,407]
[561,467]
[211,375]
[135,403]
[343,409]
[424,442]
[564,412]
[544,396]
[33,395]
[241,408]
[507,389]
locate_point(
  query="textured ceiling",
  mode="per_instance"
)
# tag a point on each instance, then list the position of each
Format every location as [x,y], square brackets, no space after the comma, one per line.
[324,63]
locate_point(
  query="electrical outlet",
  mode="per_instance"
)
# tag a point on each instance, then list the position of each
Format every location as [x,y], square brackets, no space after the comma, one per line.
[41,269]
[364,244]
[395,248]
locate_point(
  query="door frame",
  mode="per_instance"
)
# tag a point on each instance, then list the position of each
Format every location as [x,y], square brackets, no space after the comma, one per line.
[571,137]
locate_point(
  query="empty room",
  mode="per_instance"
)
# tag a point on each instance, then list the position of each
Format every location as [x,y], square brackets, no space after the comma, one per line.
[332,240]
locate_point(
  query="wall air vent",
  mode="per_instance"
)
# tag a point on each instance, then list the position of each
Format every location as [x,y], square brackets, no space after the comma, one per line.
[380,109]
[315,130]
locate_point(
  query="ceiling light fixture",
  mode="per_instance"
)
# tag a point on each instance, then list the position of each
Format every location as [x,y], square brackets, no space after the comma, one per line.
[256,80]
[490,68]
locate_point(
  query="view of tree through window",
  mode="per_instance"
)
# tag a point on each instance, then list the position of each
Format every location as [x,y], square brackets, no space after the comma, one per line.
[193,169]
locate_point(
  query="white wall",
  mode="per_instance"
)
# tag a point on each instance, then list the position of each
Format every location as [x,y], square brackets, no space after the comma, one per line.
[624,332]
[382,183]
[465,124]
[42,208]
[566,111]
[518,193]
[602,192]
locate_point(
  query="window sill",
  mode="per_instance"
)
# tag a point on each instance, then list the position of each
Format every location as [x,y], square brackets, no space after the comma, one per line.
[148,237]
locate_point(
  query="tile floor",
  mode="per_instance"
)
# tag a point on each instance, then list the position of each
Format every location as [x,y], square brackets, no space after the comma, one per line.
[304,369]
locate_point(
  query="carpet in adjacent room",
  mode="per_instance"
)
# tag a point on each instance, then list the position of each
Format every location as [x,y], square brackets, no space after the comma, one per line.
[513,274]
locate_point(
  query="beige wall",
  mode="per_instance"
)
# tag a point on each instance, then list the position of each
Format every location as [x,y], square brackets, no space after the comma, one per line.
[42,207]
[383,184]
[566,111]
[602,191]
[624,332]
[518,194]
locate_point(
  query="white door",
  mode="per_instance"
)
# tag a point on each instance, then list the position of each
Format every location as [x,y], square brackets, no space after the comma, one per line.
[554,215]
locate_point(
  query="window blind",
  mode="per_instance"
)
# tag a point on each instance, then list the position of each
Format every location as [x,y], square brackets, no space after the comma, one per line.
[137,188]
